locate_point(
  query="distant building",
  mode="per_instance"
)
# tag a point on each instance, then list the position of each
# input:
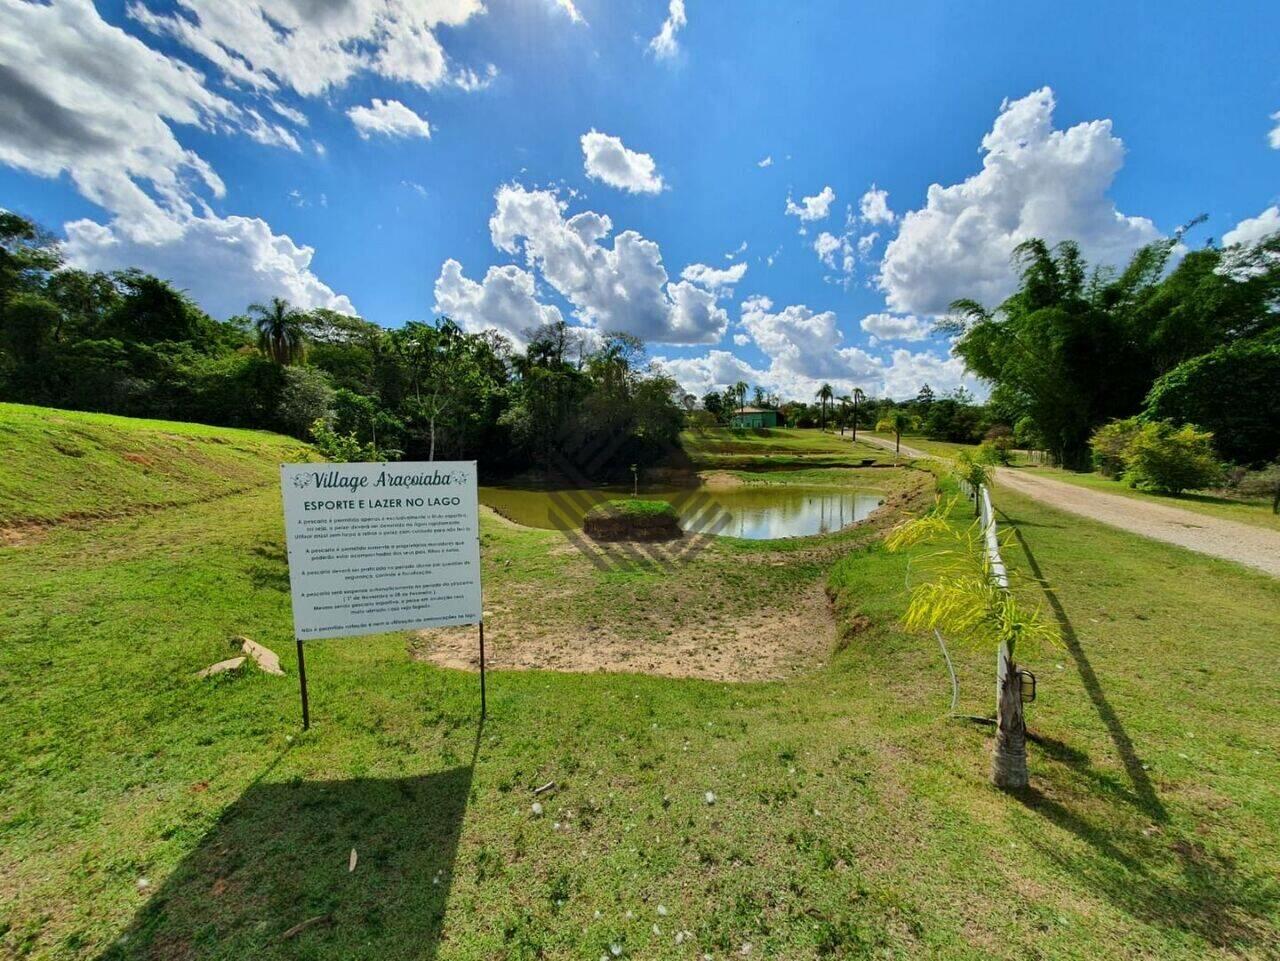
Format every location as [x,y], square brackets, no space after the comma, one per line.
[754,417]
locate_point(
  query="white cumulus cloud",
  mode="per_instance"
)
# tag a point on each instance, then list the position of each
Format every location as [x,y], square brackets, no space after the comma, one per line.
[905,373]
[506,300]
[81,97]
[390,118]
[312,46]
[607,160]
[623,287]
[835,252]
[807,349]
[896,327]
[713,278]
[816,207]
[875,206]
[1273,138]
[225,263]
[664,45]
[1035,182]
[714,371]
[1253,229]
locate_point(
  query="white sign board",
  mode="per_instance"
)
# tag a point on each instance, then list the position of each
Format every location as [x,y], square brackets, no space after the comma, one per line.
[381,547]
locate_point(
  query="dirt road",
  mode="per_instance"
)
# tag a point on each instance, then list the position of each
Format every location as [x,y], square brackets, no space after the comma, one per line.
[1256,547]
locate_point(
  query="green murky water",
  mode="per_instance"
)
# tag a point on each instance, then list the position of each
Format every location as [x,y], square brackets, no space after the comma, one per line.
[755,513]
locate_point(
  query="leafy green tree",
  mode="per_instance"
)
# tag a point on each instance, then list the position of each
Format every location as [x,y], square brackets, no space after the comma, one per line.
[344,448]
[29,324]
[1233,392]
[1162,457]
[1075,347]
[1110,444]
[713,404]
[952,420]
[27,255]
[281,331]
[305,397]
[846,403]
[150,310]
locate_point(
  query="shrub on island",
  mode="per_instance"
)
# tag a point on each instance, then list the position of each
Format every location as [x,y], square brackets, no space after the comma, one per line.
[630,519]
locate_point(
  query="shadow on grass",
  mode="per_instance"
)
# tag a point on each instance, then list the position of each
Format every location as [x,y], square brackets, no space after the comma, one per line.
[271,569]
[1144,793]
[1147,869]
[278,858]
[1162,878]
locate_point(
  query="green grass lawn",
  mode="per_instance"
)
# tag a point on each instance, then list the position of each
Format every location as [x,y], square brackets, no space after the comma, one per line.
[776,447]
[847,816]
[62,465]
[1255,511]
[935,448]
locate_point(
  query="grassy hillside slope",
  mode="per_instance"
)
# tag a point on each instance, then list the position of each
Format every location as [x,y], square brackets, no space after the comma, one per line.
[146,814]
[60,465]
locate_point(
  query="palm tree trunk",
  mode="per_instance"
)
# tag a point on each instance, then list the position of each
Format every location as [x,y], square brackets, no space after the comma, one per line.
[855,424]
[1009,756]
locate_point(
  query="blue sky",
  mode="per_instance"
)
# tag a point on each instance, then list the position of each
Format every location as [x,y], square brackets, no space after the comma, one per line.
[201,143]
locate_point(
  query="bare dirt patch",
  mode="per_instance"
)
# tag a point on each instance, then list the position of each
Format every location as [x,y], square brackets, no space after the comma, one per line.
[720,615]
[762,645]
[720,480]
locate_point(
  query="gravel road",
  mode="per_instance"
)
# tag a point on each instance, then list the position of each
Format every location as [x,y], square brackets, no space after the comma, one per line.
[1256,547]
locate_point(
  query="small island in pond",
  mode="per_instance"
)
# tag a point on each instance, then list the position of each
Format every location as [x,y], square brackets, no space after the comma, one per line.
[631,519]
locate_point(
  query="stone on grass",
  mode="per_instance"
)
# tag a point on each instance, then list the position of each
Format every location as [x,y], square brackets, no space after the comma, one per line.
[264,657]
[222,667]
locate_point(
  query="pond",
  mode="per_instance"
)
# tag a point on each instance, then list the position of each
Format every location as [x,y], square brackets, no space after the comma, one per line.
[751,512]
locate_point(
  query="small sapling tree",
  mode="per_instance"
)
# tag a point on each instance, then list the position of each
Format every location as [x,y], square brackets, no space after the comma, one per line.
[963,599]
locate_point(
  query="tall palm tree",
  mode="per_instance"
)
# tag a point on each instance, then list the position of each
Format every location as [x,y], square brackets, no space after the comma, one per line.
[858,397]
[281,335]
[845,401]
[740,390]
[824,395]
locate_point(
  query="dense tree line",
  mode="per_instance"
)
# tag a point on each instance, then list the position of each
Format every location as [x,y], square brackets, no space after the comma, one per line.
[1074,348]
[129,343]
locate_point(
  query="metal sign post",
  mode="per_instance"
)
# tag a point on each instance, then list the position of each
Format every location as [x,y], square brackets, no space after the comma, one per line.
[302,685]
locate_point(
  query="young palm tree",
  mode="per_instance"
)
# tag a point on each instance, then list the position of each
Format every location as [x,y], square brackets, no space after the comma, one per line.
[967,601]
[824,395]
[845,401]
[281,335]
[898,422]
